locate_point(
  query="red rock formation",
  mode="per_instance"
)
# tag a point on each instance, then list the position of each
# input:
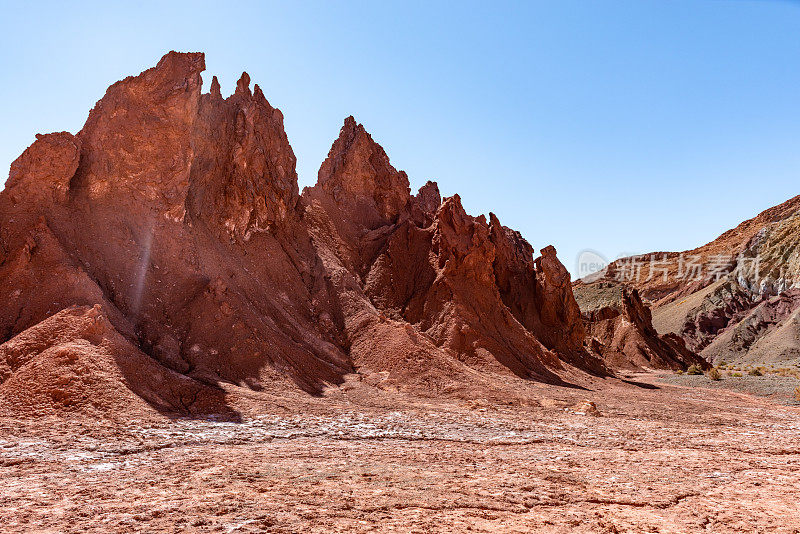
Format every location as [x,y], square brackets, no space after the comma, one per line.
[75,361]
[52,160]
[357,174]
[425,267]
[765,333]
[137,142]
[539,295]
[243,172]
[715,305]
[179,213]
[625,338]
[726,305]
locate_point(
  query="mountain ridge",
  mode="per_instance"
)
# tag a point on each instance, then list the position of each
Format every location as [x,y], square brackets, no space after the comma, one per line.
[178,212]
[737,294]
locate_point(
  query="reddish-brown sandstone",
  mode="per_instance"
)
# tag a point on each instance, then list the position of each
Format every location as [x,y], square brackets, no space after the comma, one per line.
[733,299]
[178,212]
[625,337]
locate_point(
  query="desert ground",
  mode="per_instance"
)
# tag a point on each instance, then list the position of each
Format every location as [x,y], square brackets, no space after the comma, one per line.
[654,457]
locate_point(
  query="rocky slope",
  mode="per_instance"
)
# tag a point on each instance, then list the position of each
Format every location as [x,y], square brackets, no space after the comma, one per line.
[625,337]
[149,211]
[174,219]
[733,299]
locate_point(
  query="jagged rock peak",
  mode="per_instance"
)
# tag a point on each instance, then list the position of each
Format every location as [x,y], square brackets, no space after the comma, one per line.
[428,198]
[215,88]
[636,311]
[175,66]
[182,61]
[549,264]
[136,142]
[44,170]
[357,168]
[176,72]
[245,174]
[154,139]
[258,93]
[243,85]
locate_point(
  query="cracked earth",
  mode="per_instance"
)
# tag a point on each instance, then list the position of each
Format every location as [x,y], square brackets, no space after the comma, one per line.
[671,459]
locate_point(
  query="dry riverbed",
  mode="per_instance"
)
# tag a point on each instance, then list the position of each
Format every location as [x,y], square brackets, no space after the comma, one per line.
[659,458]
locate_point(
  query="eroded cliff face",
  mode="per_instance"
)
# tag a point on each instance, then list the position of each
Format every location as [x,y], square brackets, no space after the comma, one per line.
[625,337]
[736,304]
[176,216]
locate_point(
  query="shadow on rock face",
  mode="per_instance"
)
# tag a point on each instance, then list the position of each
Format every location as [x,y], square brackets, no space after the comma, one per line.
[179,214]
[76,363]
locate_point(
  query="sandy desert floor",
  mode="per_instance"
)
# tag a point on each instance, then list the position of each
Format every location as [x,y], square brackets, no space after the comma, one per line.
[660,458]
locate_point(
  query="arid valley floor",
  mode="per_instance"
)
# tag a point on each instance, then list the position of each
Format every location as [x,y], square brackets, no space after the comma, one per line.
[657,458]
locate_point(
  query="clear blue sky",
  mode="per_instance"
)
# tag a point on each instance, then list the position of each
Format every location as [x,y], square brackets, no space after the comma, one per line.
[619,126]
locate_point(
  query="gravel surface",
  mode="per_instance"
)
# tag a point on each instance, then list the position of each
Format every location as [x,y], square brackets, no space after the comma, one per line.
[658,458]
[779,388]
